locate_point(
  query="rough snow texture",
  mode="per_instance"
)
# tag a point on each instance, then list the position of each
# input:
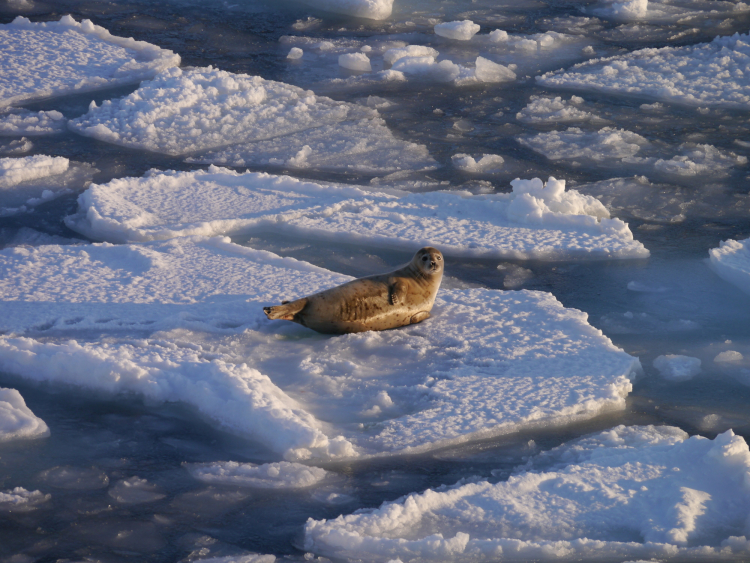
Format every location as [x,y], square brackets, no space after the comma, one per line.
[555,110]
[459,30]
[17,170]
[711,74]
[280,475]
[392,55]
[25,122]
[486,363]
[17,422]
[732,262]
[604,145]
[486,163]
[55,58]
[531,222]
[637,492]
[370,9]
[677,368]
[21,500]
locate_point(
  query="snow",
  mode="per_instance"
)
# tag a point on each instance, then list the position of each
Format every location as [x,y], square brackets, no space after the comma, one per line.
[41,60]
[245,558]
[279,475]
[295,53]
[627,493]
[731,261]
[674,367]
[134,490]
[16,170]
[25,122]
[603,145]
[532,221]
[355,61]
[486,363]
[392,55]
[21,500]
[370,9]
[459,30]
[707,75]
[555,110]
[17,422]
[729,356]
[486,163]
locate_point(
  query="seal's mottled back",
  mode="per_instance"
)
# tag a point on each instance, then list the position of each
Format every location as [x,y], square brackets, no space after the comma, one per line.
[378,302]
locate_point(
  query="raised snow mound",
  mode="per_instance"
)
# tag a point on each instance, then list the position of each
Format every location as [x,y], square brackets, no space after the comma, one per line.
[533,221]
[17,422]
[732,262]
[44,59]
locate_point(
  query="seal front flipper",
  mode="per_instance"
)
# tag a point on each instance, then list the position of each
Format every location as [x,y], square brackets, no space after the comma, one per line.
[398,292]
[419,317]
[285,311]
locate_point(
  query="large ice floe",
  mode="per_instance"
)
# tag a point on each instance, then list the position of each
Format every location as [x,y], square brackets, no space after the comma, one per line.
[242,120]
[630,492]
[731,261]
[533,221]
[370,9]
[669,11]
[26,182]
[183,321]
[47,59]
[711,74]
[16,419]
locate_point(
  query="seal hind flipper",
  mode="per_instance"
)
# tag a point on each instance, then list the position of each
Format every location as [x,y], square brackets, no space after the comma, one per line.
[286,311]
[419,317]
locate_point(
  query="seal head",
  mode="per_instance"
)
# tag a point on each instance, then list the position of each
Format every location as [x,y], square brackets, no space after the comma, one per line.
[404,296]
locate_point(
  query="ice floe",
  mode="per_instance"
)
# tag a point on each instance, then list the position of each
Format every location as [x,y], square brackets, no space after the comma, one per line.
[459,30]
[21,500]
[533,221]
[682,12]
[28,181]
[44,59]
[707,75]
[370,9]
[17,422]
[542,109]
[251,121]
[25,122]
[732,262]
[486,363]
[630,492]
[135,490]
[279,475]
[486,163]
[355,61]
[677,368]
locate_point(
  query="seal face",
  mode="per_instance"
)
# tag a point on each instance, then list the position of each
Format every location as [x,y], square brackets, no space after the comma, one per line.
[404,296]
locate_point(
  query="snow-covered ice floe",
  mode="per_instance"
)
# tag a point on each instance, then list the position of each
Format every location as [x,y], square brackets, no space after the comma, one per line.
[370,9]
[533,221]
[47,59]
[184,322]
[710,74]
[240,120]
[16,419]
[21,500]
[674,367]
[28,181]
[541,109]
[669,11]
[732,262]
[630,492]
[25,122]
[279,475]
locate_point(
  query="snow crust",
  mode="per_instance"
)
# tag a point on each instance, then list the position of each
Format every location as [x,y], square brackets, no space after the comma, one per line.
[731,261]
[533,221]
[25,122]
[707,75]
[677,368]
[17,422]
[370,9]
[629,492]
[459,30]
[279,475]
[41,60]
[486,363]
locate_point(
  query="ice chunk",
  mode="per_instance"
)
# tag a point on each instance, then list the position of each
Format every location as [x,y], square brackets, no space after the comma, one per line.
[628,10]
[24,122]
[487,71]
[532,221]
[244,558]
[729,356]
[17,422]
[708,75]
[731,261]
[485,363]
[543,110]
[135,491]
[295,53]
[460,30]
[700,160]
[487,163]
[606,144]
[392,55]
[16,170]
[370,9]
[186,111]
[677,368]
[75,478]
[21,500]
[16,146]
[637,499]
[443,71]
[55,58]
[280,475]
[355,61]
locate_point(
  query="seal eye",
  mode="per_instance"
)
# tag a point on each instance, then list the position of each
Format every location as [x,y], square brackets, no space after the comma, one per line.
[424,258]
[438,257]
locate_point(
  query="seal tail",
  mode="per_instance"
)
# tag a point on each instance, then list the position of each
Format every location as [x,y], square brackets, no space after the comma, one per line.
[286,311]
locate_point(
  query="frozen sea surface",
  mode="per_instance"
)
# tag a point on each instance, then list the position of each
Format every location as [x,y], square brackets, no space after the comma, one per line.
[163,404]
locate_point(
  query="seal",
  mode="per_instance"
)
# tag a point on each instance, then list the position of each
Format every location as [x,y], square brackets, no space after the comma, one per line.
[402,297]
